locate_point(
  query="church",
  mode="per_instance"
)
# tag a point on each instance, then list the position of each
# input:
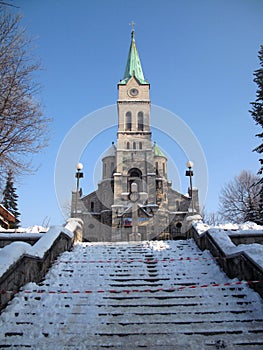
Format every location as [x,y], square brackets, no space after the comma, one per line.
[134,199]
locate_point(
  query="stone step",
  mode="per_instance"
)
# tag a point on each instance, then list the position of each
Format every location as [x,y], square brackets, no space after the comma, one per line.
[130,302]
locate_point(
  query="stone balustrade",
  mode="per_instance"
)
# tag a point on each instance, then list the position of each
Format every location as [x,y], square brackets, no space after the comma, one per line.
[21,262]
[238,260]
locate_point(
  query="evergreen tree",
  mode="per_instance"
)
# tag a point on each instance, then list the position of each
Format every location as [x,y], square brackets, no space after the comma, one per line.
[251,213]
[10,199]
[260,208]
[257,106]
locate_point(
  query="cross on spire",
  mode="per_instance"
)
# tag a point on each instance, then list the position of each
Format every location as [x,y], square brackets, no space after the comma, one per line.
[132,24]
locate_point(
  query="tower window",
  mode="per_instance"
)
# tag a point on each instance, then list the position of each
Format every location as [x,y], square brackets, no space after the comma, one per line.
[140,145]
[128,145]
[92,207]
[140,121]
[163,169]
[156,168]
[128,124]
[134,175]
[134,145]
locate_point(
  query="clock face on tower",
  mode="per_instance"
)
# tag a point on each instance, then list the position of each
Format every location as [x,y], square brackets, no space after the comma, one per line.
[133,92]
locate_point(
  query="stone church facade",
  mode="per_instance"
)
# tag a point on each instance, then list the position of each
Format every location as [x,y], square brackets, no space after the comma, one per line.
[134,200]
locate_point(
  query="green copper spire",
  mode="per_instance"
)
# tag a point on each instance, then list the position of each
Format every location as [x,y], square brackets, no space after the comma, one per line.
[157,151]
[133,66]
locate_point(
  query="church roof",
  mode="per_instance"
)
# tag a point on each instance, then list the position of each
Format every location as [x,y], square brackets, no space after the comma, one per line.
[111,151]
[157,151]
[133,66]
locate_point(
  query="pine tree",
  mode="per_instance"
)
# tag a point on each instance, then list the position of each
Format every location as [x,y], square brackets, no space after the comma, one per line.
[251,213]
[260,208]
[257,106]
[10,199]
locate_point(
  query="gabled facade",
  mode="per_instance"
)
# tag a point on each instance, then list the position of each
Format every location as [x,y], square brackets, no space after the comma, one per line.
[115,211]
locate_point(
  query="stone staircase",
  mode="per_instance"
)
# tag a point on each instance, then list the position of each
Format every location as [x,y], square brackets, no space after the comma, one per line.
[154,295]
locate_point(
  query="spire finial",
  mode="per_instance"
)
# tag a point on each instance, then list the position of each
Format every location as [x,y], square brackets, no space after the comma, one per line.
[132,24]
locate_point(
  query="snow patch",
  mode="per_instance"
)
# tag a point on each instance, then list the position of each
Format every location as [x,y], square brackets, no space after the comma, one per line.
[11,253]
[196,217]
[223,240]
[30,229]
[46,242]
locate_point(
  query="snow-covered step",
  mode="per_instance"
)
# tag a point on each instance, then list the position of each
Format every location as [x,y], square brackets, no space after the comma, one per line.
[155,295]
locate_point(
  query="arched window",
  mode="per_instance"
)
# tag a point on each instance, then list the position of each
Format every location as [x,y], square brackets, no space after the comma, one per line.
[92,207]
[128,145]
[140,121]
[164,170]
[140,145]
[128,122]
[104,169]
[135,175]
[134,145]
[178,227]
[156,168]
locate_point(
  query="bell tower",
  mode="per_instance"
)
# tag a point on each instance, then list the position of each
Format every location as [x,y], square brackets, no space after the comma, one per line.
[134,153]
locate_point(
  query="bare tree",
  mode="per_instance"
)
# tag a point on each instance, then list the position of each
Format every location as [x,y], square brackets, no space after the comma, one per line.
[23,128]
[239,199]
[210,218]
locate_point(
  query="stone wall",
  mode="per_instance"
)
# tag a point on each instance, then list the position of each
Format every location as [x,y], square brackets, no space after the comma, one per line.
[22,263]
[6,239]
[236,262]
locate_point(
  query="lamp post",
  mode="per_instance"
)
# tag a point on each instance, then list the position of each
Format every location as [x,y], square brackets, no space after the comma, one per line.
[190,173]
[78,176]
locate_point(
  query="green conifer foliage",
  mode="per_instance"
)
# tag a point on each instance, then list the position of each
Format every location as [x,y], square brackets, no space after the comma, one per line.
[257,106]
[10,199]
[260,208]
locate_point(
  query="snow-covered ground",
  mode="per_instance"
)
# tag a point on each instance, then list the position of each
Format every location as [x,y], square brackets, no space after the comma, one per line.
[156,295]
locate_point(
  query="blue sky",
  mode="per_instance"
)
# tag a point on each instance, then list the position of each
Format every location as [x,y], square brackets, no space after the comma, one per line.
[198,55]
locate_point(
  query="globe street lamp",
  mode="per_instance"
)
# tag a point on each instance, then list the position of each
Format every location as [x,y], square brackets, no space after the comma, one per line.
[78,176]
[190,173]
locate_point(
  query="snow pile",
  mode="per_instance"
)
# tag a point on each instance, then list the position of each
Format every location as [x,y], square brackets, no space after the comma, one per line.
[157,245]
[200,227]
[254,251]
[74,224]
[11,253]
[35,229]
[47,240]
[30,229]
[246,228]
[223,240]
